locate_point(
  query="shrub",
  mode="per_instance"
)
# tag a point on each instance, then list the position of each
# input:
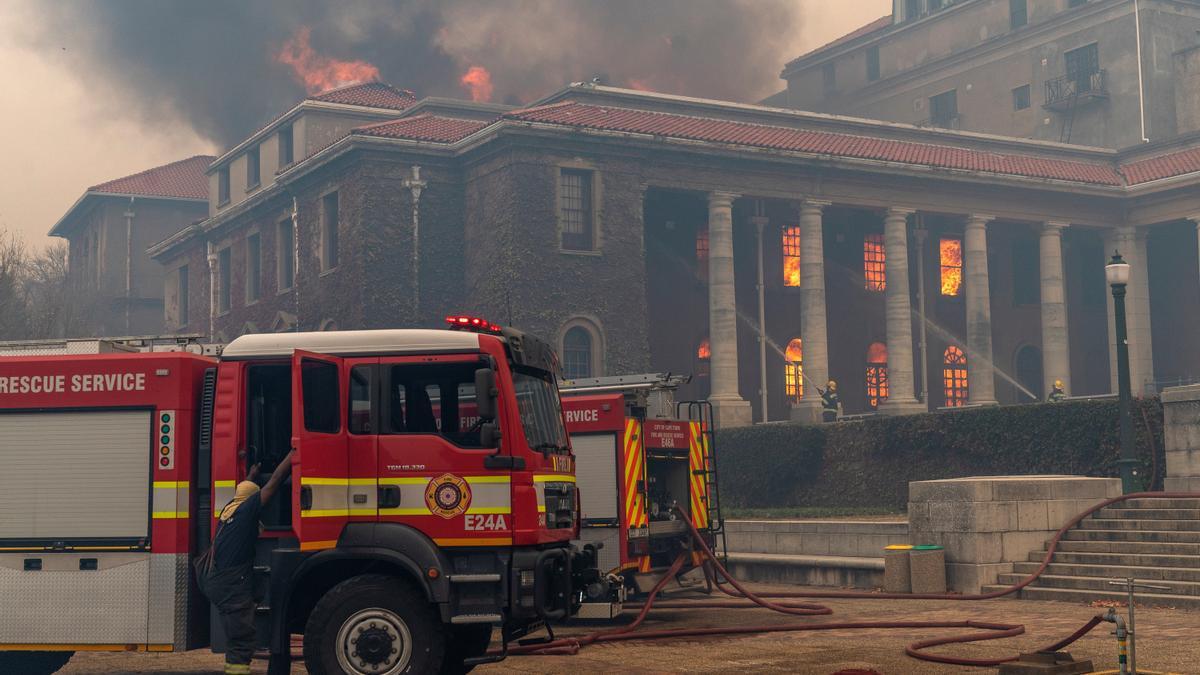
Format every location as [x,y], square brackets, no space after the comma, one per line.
[869,462]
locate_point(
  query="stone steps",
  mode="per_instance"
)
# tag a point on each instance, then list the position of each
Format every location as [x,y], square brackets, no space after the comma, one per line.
[1124,559]
[1153,547]
[1024,569]
[1139,524]
[1149,514]
[1187,503]
[1074,595]
[1097,583]
[1166,536]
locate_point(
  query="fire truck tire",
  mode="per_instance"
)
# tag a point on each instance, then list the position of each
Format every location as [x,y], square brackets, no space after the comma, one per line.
[465,642]
[33,663]
[373,625]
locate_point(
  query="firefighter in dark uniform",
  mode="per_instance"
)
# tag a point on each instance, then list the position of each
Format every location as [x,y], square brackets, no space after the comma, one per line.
[229,580]
[830,402]
[1057,395]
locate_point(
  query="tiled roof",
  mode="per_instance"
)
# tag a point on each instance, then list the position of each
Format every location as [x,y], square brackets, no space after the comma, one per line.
[878,24]
[184,179]
[1162,166]
[424,127]
[371,94]
[574,114]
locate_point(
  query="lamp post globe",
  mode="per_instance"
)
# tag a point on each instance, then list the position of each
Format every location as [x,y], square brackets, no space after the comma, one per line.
[1116,272]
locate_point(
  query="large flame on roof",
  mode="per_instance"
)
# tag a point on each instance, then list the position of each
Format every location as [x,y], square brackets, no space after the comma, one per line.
[478,81]
[952,267]
[320,73]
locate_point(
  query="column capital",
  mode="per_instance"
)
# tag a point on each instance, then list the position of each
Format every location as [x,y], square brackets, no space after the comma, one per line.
[807,204]
[979,219]
[1195,218]
[899,211]
[721,196]
[1054,227]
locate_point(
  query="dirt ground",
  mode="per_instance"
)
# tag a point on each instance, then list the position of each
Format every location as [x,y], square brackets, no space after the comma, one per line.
[1169,640]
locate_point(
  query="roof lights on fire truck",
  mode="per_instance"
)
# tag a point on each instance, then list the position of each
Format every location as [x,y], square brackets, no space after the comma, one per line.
[472,323]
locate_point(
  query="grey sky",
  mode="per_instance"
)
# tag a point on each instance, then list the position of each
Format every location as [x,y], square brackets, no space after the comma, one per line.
[66,129]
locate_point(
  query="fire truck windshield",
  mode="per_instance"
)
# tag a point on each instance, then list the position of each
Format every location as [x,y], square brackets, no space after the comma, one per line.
[540,409]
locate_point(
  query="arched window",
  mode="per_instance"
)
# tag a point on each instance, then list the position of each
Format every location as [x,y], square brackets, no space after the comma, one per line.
[702,254]
[954,376]
[793,375]
[577,353]
[791,255]
[877,373]
[703,355]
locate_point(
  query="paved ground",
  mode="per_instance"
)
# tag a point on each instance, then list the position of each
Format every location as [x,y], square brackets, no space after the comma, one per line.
[1170,641]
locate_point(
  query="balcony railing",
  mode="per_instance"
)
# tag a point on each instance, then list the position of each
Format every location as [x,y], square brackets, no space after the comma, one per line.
[950,121]
[1062,92]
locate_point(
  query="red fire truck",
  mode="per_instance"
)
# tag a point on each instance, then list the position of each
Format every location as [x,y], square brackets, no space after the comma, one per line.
[409,533]
[640,455]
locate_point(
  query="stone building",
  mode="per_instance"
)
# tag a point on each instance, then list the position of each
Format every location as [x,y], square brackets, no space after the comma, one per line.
[644,231]
[108,230]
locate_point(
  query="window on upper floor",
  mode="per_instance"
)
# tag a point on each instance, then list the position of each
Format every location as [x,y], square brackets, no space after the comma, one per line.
[943,108]
[702,254]
[1020,97]
[285,255]
[286,153]
[181,290]
[1081,64]
[872,63]
[224,280]
[874,263]
[1018,13]
[829,77]
[223,185]
[790,247]
[950,256]
[329,231]
[253,267]
[576,210]
[253,174]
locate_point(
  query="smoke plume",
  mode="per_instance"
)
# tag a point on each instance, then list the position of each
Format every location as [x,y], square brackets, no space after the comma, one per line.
[227,66]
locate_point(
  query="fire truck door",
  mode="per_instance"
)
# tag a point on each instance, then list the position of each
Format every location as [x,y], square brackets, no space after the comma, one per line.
[320,482]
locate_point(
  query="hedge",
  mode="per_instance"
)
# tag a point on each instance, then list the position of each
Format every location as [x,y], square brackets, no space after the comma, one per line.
[869,462]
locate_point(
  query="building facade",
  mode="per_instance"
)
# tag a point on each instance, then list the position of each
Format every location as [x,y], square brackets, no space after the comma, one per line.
[760,249]
[108,230]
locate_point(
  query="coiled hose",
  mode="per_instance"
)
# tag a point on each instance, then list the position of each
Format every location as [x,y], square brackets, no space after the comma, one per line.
[716,572]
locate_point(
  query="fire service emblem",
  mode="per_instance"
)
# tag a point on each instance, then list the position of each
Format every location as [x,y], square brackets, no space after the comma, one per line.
[448,496]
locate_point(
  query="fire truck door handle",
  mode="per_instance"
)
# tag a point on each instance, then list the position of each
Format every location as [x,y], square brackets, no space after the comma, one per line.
[389,496]
[306,498]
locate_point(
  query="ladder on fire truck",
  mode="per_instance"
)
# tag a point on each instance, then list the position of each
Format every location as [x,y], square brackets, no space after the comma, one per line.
[654,392]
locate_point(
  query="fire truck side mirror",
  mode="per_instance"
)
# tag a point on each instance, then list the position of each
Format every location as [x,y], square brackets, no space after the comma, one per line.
[485,394]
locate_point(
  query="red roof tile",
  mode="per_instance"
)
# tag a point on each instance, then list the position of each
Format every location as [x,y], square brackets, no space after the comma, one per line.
[184,179]
[878,24]
[371,94]
[571,113]
[1162,166]
[424,127]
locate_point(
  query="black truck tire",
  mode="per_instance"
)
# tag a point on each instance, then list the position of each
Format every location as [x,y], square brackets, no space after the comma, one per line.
[373,625]
[33,663]
[465,642]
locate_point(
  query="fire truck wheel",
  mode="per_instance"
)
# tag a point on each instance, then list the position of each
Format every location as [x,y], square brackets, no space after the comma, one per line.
[465,642]
[33,663]
[373,625]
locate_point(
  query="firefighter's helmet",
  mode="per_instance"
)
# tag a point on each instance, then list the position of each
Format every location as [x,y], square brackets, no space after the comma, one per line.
[1058,384]
[831,385]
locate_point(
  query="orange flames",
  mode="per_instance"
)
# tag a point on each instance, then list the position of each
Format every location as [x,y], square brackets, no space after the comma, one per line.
[791,255]
[704,352]
[952,266]
[478,81]
[319,73]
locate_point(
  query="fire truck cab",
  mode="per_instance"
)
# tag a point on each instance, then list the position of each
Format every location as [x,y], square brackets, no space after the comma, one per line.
[432,497]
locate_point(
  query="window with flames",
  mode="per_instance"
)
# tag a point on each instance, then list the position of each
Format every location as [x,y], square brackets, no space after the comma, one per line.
[950,254]
[877,374]
[874,263]
[791,256]
[703,356]
[793,374]
[954,377]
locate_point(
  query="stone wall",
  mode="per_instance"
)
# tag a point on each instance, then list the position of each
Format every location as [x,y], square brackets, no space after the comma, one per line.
[1181,429]
[987,523]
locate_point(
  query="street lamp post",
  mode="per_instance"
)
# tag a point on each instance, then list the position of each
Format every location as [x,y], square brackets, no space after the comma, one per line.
[1117,274]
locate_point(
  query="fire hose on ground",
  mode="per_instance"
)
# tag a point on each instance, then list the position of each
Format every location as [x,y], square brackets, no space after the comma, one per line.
[715,572]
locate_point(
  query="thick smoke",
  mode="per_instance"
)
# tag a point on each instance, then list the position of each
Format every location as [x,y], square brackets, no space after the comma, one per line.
[215,65]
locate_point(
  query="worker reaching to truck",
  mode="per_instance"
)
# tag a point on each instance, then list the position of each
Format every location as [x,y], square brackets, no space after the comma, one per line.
[228,578]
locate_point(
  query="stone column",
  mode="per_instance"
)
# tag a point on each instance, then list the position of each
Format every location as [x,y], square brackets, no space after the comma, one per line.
[1056,350]
[814,332]
[901,398]
[981,381]
[1131,243]
[729,409]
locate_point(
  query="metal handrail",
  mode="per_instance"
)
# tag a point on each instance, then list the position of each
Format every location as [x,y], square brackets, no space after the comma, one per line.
[1065,87]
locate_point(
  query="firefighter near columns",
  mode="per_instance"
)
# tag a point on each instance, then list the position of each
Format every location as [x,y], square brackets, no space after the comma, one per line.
[1057,394]
[831,403]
